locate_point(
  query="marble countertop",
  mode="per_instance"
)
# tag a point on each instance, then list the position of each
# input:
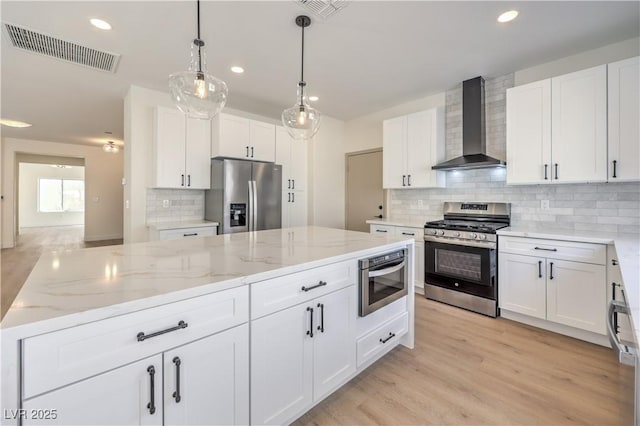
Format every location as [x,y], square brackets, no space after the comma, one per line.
[409,223]
[627,250]
[72,287]
[161,226]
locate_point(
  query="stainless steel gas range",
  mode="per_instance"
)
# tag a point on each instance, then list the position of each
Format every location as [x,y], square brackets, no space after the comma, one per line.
[461,255]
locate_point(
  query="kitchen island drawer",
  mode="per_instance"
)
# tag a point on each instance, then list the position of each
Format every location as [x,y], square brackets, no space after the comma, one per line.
[280,293]
[62,357]
[173,234]
[382,229]
[557,249]
[382,339]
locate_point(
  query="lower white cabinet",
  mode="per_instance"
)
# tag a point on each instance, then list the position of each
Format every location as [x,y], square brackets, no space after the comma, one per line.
[300,354]
[523,284]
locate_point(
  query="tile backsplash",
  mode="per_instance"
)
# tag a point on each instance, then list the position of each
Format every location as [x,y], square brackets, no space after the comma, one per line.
[611,207]
[182,205]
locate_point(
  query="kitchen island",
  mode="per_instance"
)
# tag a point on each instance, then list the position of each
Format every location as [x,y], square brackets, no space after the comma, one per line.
[143,332]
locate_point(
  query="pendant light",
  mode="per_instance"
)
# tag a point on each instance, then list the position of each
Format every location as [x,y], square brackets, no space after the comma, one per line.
[301,120]
[196,93]
[110,147]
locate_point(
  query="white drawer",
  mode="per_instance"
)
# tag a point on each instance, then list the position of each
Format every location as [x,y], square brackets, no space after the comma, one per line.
[173,234]
[564,250]
[280,293]
[367,323]
[416,233]
[58,358]
[382,229]
[381,339]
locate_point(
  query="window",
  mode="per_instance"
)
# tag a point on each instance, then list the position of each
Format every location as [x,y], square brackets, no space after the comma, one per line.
[60,195]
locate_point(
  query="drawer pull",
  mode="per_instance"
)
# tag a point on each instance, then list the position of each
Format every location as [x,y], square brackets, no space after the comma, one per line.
[545,249]
[321,326]
[320,284]
[391,336]
[176,394]
[615,163]
[152,400]
[550,270]
[194,234]
[381,230]
[310,330]
[408,233]
[142,337]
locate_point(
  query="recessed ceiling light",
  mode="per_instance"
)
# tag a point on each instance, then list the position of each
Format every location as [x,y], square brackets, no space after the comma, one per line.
[237,70]
[313,98]
[14,123]
[99,23]
[508,16]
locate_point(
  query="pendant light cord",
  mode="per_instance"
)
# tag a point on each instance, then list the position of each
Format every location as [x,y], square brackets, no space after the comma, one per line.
[302,84]
[199,41]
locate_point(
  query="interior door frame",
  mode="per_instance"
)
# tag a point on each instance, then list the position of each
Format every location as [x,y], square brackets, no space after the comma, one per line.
[346,182]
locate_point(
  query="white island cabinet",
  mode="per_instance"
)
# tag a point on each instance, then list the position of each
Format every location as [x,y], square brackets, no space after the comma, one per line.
[190,332]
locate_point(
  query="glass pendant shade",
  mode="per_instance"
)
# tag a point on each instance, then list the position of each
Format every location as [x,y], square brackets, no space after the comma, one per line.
[196,93]
[301,120]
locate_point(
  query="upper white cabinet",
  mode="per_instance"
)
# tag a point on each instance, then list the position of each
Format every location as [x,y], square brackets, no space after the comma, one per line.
[292,155]
[624,125]
[243,138]
[557,129]
[412,144]
[182,150]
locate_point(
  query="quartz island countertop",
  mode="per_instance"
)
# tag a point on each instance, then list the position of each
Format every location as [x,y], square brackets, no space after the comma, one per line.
[71,287]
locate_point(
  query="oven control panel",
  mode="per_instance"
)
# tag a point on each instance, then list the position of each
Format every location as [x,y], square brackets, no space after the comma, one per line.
[459,235]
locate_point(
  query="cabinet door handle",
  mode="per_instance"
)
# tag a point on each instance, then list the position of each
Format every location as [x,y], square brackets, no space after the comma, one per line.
[152,398]
[381,230]
[615,162]
[408,180]
[247,147]
[181,180]
[190,235]
[176,394]
[320,284]
[545,249]
[289,199]
[142,337]
[407,233]
[385,340]
[289,184]
[188,180]
[293,197]
[539,268]
[546,166]
[251,152]
[556,167]
[293,184]
[404,177]
[321,326]
[550,270]
[614,262]
[310,330]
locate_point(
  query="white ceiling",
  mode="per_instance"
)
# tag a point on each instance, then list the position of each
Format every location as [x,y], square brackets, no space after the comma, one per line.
[370,56]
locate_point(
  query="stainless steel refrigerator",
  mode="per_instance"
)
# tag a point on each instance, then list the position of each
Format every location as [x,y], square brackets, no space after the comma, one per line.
[244,195]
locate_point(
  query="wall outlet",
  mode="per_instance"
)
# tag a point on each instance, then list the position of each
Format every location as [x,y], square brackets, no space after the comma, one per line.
[544,204]
[165,204]
[420,202]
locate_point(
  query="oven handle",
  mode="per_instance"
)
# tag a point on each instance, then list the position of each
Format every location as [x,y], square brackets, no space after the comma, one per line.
[385,271]
[449,241]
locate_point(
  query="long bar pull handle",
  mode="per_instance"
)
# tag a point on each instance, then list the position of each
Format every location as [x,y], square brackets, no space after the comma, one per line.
[188,180]
[556,167]
[408,180]
[546,166]
[385,340]
[320,284]
[289,184]
[550,270]
[615,162]
[539,268]
[293,197]
[181,180]
[142,337]
[289,199]
[293,184]
[247,147]
[407,233]
[152,398]
[176,394]
[381,230]
[193,234]
[545,249]
[251,152]
[321,326]
[310,330]
[404,177]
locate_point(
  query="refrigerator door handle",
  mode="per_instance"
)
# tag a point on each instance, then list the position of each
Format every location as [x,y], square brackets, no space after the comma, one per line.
[250,207]
[254,218]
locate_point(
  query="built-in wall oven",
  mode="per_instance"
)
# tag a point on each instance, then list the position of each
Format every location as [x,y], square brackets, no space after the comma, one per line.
[383,279]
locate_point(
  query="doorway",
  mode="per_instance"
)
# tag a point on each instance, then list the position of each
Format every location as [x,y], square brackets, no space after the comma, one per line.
[364,194]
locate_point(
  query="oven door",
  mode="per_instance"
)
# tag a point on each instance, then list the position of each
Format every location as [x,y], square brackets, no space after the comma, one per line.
[463,268]
[382,284]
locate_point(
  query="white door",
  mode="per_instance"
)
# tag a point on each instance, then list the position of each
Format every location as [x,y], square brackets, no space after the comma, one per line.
[207,382]
[624,125]
[299,165]
[198,154]
[394,146]
[281,365]
[577,294]
[298,209]
[118,397]
[169,148]
[529,133]
[231,137]
[334,345]
[522,287]
[263,141]
[421,137]
[579,126]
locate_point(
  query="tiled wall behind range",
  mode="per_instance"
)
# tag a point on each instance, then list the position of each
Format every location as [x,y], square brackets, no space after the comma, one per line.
[183,205]
[607,207]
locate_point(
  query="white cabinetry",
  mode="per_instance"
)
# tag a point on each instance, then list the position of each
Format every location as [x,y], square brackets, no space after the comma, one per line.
[292,155]
[412,144]
[558,281]
[418,236]
[177,233]
[243,138]
[624,125]
[182,150]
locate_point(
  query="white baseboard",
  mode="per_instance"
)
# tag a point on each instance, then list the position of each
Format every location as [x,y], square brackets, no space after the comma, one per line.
[89,238]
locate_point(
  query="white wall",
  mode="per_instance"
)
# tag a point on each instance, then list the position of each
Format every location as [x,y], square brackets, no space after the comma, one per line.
[29,215]
[103,189]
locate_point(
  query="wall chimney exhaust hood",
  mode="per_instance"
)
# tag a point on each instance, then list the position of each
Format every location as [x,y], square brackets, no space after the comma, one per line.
[474,144]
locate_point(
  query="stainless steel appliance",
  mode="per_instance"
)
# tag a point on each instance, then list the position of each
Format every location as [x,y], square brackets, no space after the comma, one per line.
[383,279]
[244,195]
[461,255]
[618,313]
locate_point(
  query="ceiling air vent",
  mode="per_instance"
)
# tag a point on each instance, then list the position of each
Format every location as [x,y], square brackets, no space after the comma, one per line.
[44,44]
[323,8]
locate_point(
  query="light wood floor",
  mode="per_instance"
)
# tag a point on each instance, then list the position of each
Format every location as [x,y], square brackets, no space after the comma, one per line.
[467,369]
[17,263]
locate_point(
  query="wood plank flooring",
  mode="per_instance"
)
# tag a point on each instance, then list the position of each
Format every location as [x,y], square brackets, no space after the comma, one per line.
[467,369]
[17,263]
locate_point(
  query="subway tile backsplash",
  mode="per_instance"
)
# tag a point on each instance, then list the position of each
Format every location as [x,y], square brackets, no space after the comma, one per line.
[182,205]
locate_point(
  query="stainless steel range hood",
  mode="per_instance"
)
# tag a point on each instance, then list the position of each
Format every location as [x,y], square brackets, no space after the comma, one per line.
[474,144]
